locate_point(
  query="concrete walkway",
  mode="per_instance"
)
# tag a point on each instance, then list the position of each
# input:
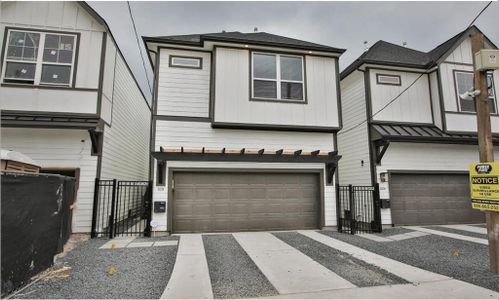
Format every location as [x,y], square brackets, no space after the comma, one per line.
[289,270]
[449,235]
[468,228]
[441,289]
[190,277]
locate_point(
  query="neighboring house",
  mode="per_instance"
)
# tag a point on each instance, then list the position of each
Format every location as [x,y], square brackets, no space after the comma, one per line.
[419,147]
[68,98]
[244,132]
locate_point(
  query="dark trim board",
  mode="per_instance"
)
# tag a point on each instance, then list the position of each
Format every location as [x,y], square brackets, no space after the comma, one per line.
[12,118]
[274,127]
[369,113]
[47,87]
[441,99]
[338,92]
[171,197]
[395,123]
[101,73]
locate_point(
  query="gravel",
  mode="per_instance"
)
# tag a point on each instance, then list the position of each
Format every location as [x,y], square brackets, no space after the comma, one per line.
[458,259]
[354,270]
[457,231]
[233,274]
[139,273]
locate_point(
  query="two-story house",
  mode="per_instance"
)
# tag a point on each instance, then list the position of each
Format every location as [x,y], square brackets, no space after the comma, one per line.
[68,98]
[244,132]
[406,128]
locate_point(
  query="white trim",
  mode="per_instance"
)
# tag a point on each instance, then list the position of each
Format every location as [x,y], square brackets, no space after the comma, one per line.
[39,63]
[278,80]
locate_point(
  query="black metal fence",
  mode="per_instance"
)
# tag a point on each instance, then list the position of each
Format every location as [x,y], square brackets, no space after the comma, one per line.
[358,209]
[121,208]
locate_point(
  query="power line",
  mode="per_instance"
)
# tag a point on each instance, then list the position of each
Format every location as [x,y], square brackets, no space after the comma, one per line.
[138,45]
[409,86]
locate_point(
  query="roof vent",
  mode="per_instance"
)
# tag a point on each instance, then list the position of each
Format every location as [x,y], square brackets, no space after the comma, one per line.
[365,45]
[255,29]
[404,44]
[223,31]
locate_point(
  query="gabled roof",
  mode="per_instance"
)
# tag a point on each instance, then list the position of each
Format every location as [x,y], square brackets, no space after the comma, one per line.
[256,38]
[384,53]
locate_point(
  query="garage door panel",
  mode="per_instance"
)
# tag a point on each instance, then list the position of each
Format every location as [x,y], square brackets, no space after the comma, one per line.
[425,199]
[215,202]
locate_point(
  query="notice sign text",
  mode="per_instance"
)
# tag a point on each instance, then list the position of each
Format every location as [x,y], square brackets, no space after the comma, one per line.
[484,185]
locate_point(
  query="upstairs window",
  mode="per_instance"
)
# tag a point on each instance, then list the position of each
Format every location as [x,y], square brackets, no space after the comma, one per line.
[39,58]
[277,77]
[464,81]
[186,62]
[388,79]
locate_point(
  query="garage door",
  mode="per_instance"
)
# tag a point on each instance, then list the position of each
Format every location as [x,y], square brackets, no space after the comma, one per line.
[224,202]
[425,199]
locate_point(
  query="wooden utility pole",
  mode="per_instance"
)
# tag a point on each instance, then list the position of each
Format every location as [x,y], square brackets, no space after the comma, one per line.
[485,145]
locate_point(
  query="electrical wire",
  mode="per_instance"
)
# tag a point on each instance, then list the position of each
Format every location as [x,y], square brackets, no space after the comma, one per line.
[409,86]
[138,45]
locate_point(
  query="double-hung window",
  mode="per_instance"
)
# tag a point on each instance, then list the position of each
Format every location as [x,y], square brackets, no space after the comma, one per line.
[39,58]
[464,81]
[277,77]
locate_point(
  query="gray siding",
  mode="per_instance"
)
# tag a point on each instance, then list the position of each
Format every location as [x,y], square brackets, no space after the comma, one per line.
[125,153]
[353,146]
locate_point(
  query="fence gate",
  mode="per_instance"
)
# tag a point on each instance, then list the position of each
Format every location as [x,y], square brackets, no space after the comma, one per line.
[358,209]
[121,208]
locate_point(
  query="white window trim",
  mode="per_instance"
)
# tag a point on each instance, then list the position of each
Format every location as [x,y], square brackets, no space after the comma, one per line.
[278,79]
[172,64]
[491,97]
[39,61]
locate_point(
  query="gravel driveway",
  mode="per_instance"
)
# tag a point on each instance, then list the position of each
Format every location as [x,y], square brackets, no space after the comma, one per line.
[141,272]
[458,259]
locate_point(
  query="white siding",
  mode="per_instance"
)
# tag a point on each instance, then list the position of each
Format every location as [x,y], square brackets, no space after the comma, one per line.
[60,16]
[125,154]
[353,146]
[51,100]
[108,80]
[183,91]
[435,100]
[161,194]
[427,157]
[232,94]
[467,122]
[60,148]
[412,106]
[200,134]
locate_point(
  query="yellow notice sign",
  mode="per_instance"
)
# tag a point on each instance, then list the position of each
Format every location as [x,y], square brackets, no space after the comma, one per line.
[484,185]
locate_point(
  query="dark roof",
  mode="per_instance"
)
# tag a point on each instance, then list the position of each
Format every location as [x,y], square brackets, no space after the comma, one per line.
[68,120]
[421,133]
[384,53]
[256,38]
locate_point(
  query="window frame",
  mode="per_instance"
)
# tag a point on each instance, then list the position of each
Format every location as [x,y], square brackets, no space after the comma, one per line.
[172,65]
[458,100]
[39,63]
[278,79]
[388,75]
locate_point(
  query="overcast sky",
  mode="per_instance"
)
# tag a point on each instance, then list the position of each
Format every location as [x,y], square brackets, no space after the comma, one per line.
[423,25]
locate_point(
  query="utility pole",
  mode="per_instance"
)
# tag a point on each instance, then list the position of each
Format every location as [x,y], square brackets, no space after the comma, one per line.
[485,145]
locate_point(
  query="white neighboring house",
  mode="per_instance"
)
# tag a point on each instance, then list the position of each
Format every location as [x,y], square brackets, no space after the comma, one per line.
[244,130]
[69,99]
[420,146]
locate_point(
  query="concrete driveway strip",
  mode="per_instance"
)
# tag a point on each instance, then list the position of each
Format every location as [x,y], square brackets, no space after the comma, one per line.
[190,277]
[289,270]
[449,235]
[466,228]
[409,273]
[442,289]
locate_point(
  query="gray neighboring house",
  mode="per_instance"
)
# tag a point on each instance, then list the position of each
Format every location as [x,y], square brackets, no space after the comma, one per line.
[69,99]
[244,132]
[419,147]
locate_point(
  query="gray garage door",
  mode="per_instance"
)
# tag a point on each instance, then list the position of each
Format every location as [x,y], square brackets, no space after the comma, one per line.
[425,199]
[223,202]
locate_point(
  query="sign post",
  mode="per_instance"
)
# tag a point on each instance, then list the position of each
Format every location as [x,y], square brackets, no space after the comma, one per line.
[485,144]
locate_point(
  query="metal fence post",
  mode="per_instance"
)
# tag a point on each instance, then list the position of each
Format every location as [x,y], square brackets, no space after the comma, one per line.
[113,204]
[94,207]
[352,208]
[148,207]
[377,208]
[338,208]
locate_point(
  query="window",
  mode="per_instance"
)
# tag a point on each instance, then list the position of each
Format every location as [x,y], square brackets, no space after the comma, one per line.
[277,77]
[161,176]
[464,81]
[388,79]
[186,62]
[39,58]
